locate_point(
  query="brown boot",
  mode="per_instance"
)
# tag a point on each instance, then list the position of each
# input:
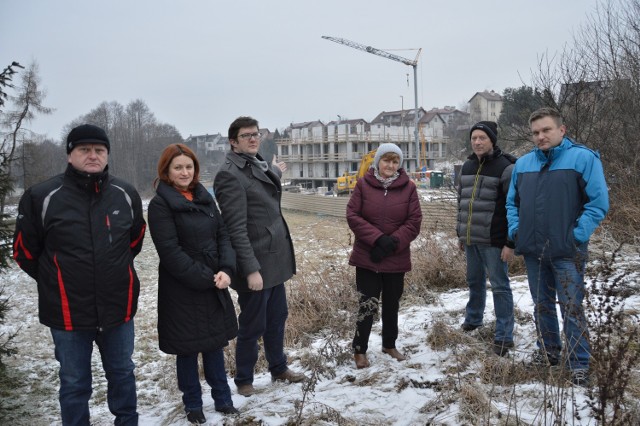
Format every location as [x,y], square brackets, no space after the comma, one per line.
[361,361]
[289,376]
[393,353]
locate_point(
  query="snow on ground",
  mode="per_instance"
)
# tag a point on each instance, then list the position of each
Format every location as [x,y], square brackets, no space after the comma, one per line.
[389,392]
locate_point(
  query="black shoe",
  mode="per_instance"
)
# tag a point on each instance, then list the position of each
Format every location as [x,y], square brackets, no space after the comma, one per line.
[196,417]
[580,377]
[228,410]
[501,348]
[468,327]
[542,358]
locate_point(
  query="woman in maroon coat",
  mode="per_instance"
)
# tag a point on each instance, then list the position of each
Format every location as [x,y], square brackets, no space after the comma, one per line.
[384,215]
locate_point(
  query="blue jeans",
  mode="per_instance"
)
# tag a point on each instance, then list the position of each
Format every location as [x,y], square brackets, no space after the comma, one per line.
[73,351]
[214,374]
[262,314]
[482,260]
[562,278]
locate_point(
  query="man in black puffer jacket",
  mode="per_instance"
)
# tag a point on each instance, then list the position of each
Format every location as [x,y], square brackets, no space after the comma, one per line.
[482,232]
[77,235]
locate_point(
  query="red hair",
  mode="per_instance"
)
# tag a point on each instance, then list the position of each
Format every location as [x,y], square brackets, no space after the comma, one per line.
[172,151]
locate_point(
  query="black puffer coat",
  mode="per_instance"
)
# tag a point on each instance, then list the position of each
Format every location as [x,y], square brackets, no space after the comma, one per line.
[193,245]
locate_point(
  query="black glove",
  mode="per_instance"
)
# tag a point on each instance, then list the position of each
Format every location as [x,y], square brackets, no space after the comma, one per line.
[387,244]
[376,255]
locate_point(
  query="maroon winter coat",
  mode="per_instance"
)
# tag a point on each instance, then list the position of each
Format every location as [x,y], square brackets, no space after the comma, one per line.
[373,211]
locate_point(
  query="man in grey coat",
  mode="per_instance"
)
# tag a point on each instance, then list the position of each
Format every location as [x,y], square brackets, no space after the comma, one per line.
[248,191]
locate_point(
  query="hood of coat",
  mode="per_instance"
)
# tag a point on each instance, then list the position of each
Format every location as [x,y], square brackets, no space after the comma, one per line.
[178,202]
[554,152]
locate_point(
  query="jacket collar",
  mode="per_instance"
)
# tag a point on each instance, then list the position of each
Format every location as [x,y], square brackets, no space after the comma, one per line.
[401,181]
[554,152]
[177,201]
[90,182]
[497,152]
[255,171]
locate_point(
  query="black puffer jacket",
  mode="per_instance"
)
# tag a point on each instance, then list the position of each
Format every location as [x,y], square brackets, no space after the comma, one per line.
[193,245]
[76,235]
[482,194]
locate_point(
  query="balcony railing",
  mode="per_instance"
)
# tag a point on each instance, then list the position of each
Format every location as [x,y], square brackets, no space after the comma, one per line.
[408,138]
[342,157]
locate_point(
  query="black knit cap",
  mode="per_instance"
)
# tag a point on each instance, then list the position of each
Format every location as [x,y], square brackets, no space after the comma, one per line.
[489,127]
[87,133]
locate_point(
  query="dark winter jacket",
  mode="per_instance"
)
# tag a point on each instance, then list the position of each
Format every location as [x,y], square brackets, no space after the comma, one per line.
[556,200]
[482,194]
[250,203]
[373,211]
[77,235]
[193,245]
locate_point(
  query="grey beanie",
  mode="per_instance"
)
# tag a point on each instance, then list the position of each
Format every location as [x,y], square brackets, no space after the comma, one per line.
[384,149]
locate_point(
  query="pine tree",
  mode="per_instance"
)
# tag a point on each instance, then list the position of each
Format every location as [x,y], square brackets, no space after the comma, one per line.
[5,225]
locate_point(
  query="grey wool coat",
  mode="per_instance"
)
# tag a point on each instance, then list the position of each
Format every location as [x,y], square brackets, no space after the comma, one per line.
[250,203]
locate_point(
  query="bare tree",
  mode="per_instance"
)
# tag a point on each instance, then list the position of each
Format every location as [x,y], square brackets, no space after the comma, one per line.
[26,104]
[595,82]
[137,139]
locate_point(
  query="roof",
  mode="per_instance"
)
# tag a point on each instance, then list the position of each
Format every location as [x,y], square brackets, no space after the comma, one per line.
[306,124]
[429,116]
[354,121]
[387,117]
[490,96]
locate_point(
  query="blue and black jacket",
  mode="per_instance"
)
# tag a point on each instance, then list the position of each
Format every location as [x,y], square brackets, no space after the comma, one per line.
[556,200]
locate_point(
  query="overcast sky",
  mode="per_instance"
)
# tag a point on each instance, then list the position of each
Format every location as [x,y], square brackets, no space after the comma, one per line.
[199,64]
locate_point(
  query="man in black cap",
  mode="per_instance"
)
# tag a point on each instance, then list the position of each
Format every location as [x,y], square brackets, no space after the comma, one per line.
[77,235]
[482,232]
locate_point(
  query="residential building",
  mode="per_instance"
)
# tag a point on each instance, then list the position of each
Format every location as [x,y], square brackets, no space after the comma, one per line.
[317,154]
[485,106]
[205,145]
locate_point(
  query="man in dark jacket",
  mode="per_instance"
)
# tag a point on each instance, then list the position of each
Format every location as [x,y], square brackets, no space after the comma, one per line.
[77,235]
[557,198]
[248,191]
[482,232]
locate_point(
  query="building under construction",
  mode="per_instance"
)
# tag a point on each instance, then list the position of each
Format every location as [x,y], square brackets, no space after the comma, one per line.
[317,153]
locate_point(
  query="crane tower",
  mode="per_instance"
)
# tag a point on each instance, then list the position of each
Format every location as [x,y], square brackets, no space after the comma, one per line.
[412,63]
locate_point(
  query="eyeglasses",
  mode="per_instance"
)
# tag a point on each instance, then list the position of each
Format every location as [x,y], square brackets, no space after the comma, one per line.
[250,135]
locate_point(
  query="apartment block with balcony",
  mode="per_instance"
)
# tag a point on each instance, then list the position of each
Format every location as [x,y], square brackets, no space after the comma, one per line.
[317,154]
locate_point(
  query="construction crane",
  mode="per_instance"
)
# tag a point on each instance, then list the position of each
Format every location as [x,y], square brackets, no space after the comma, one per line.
[385,54]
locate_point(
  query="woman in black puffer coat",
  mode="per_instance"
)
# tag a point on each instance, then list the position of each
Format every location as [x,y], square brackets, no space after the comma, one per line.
[195,310]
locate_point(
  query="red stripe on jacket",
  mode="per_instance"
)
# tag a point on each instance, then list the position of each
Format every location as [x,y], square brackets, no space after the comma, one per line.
[66,313]
[129,296]
[20,244]
[137,240]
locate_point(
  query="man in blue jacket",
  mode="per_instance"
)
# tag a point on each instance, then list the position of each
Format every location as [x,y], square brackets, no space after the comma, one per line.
[557,198]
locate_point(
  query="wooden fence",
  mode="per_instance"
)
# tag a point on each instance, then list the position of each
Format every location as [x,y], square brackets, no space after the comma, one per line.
[436,215]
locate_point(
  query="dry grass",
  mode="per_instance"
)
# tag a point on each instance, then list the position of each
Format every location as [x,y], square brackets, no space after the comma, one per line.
[438,264]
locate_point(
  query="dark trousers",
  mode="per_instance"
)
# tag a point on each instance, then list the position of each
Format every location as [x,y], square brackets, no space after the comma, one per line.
[214,374]
[370,286]
[262,314]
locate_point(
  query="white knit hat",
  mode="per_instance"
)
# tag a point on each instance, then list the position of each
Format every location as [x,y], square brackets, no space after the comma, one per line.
[386,148]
